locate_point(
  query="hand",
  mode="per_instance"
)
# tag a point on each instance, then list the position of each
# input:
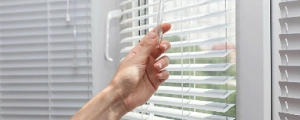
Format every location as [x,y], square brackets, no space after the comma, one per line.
[135,81]
[140,73]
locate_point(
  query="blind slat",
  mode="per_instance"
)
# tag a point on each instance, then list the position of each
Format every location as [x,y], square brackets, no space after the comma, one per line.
[38,74]
[196,104]
[202,54]
[290,57]
[37,67]
[180,114]
[289,73]
[38,28]
[290,105]
[43,35]
[290,41]
[43,98]
[215,80]
[43,10]
[284,116]
[34,83]
[290,88]
[55,17]
[32,2]
[211,93]
[198,67]
[39,51]
[44,59]
[137,116]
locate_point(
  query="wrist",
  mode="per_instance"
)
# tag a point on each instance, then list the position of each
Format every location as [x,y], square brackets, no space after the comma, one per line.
[106,105]
[117,106]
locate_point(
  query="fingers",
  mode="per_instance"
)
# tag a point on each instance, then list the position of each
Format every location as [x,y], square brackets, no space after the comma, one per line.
[147,45]
[162,63]
[163,76]
[163,47]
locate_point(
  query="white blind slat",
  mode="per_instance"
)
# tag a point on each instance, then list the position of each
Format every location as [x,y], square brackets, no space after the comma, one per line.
[290,41]
[202,54]
[216,80]
[137,116]
[211,93]
[180,114]
[198,67]
[289,115]
[201,105]
[290,89]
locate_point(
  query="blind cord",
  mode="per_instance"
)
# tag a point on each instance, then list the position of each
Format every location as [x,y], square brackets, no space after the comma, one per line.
[68,18]
[49,61]
[159,22]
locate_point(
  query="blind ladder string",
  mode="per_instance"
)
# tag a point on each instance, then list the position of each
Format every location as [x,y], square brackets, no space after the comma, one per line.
[49,60]
[181,47]
[226,60]
[75,62]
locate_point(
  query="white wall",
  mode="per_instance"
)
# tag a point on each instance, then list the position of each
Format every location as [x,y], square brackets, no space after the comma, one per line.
[104,70]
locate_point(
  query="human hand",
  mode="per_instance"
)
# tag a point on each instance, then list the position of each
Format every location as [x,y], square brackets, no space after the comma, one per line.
[140,73]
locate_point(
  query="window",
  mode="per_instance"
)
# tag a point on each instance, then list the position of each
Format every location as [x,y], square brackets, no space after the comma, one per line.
[202,81]
[39,77]
[45,59]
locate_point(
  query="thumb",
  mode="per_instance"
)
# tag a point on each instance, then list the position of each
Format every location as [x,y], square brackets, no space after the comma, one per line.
[147,45]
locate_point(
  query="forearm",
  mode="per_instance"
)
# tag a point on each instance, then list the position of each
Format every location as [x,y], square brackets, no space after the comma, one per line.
[107,105]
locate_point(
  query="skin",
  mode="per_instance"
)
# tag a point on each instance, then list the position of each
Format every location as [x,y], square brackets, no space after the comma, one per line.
[136,80]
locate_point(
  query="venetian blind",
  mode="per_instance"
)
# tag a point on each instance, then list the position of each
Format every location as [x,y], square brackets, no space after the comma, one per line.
[202,35]
[290,58]
[45,58]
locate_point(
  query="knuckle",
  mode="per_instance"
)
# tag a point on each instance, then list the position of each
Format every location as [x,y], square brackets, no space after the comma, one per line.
[166,59]
[167,73]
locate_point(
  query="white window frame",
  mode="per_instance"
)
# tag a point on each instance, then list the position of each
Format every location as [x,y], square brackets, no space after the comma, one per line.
[103,70]
[253,60]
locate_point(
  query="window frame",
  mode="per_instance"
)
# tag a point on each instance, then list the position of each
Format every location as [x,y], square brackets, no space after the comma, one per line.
[254,60]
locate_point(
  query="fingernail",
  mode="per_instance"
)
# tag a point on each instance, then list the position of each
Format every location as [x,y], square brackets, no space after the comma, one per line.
[159,65]
[160,75]
[151,35]
[165,46]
